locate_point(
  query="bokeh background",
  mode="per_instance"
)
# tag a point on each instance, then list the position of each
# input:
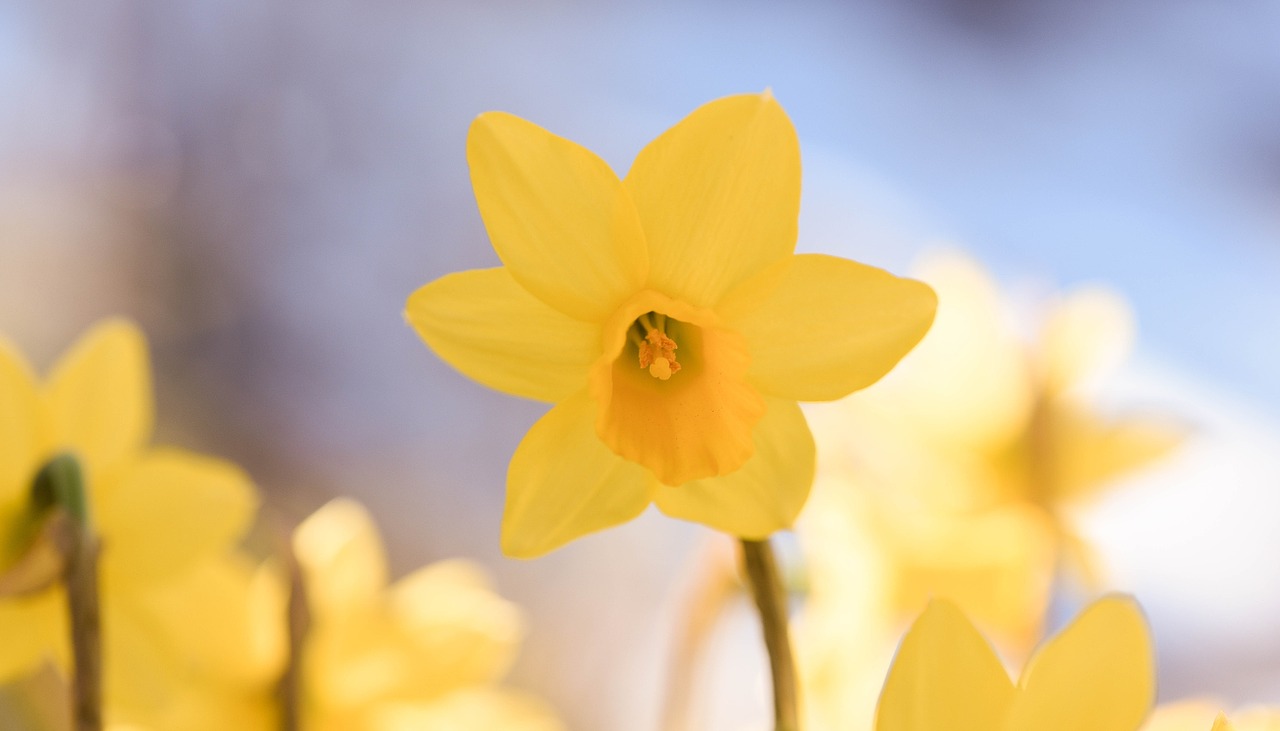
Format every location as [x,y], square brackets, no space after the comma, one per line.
[262,184]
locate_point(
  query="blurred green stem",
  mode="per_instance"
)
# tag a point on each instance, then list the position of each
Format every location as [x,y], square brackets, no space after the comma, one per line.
[59,489]
[771,600]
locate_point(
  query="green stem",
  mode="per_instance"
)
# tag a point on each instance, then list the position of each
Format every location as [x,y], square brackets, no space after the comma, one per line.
[771,600]
[60,487]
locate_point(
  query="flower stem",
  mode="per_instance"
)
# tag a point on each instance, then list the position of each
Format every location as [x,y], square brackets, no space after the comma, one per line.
[60,487]
[298,616]
[771,599]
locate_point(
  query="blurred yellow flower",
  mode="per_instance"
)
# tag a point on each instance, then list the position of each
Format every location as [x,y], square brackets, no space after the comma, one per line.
[1097,674]
[425,653]
[204,653]
[162,514]
[977,417]
[667,317]
[960,465]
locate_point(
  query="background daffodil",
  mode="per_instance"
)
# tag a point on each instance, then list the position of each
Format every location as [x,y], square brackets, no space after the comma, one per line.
[1097,674]
[981,426]
[667,317]
[425,653]
[161,513]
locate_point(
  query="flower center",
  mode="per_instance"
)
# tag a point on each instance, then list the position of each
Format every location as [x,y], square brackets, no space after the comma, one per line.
[656,349]
[681,429]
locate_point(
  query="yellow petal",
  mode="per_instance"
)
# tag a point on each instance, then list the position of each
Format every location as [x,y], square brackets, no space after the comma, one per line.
[827,326]
[1260,718]
[996,565]
[492,330]
[1098,673]
[19,425]
[341,555]
[967,384]
[945,676]
[766,494]
[33,630]
[563,483]
[696,424]
[1185,715]
[473,708]
[1090,452]
[1085,337]
[558,217]
[225,618]
[1221,723]
[99,396]
[458,631]
[171,508]
[719,196]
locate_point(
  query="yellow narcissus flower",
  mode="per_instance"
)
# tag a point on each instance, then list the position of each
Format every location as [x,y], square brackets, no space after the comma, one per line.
[205,652]
[160,512]
[1097,674]
[668,319]
[425,653]
[960,466]
[977,416]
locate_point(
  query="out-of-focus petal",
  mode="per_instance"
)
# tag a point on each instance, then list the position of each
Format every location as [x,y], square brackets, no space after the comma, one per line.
[827,326]
[1086,336]
[342,558]
[458,630]
[490,328]
[32,630]
[563,483]
[966,385]
[558,217]
[945,676]
[168,510]
[1090,452]
[225,618]
[996,565]
[1098,673]
[767,493]
[474,708]
[719,196]
[99,397]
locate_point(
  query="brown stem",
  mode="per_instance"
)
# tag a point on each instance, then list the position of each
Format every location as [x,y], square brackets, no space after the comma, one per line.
[771,599]
[86,634]
[299,622]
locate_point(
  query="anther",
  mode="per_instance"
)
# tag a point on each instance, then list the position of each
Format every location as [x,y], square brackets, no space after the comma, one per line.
[657,350]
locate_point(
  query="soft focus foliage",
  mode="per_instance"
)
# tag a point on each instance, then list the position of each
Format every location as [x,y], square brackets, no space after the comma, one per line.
[1097,674]
[425,653]
[667,317]
[167,518]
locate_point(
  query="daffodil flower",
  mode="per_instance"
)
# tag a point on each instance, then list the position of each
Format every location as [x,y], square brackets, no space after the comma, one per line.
[424,653]
[159,512]
[1097,674]
[668,319]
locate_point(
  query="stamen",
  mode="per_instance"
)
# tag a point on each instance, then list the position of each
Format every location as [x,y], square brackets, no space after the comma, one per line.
[657,350]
